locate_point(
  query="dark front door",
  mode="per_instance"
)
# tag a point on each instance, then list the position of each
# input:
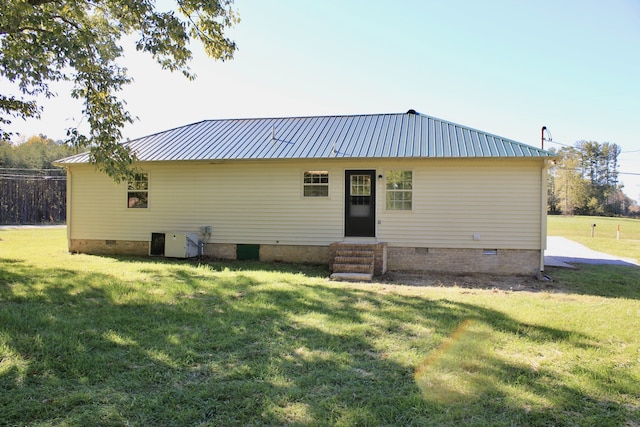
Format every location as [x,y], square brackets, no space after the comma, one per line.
[360,203]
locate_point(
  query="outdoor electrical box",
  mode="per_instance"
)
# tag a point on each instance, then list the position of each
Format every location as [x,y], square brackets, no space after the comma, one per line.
[180,244]
[174,244]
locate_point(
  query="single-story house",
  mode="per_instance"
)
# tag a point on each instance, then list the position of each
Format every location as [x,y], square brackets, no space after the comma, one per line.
[407,191]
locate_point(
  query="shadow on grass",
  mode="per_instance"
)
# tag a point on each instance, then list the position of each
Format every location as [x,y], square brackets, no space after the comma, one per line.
[309,270]
[605,280]
[229,349]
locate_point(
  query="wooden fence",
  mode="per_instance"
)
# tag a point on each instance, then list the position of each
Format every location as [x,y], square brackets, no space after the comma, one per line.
[29,196]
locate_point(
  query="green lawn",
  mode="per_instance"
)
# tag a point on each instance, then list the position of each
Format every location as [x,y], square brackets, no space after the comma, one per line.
[605,239]
[88,340]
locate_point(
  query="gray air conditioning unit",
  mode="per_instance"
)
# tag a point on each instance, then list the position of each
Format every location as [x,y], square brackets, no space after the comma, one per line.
[174,244]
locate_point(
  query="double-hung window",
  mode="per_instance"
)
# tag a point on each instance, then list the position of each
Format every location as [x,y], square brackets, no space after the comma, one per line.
[138,191]
[316,184]
[399,190]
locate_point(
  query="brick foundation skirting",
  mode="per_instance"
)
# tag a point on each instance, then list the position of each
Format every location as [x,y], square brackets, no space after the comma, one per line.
[281,253]
[108,247]
[220,251]
[226,251]
[504,261]
[299,254]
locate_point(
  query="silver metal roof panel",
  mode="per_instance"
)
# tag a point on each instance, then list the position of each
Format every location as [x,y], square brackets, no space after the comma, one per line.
[405,135]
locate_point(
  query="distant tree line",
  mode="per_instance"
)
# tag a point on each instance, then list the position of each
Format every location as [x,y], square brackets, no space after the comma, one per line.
[584,181]
[32,190]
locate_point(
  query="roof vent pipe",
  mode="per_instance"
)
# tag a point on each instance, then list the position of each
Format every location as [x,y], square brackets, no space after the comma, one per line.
[542,138]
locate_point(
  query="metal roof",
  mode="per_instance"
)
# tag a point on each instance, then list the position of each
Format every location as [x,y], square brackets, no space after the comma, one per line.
[405,135]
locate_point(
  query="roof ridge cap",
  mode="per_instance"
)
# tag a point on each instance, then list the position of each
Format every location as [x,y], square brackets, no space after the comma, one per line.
[299,117]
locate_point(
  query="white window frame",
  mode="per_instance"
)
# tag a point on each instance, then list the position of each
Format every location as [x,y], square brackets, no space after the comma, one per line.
[313,180]
[139,187]
[402,189]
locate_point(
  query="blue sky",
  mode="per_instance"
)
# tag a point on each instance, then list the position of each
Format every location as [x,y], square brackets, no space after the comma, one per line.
[503,66]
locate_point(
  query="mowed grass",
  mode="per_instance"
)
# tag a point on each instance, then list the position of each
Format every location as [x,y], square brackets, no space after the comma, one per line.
[578,228]
[604,280]
[88,340]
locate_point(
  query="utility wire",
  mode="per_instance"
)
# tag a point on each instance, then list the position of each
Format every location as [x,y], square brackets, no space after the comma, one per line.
[622,151]
[559,143]
[33,169]
[580,170]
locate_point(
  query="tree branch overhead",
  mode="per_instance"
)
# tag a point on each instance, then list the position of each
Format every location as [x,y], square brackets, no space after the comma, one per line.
[43,41]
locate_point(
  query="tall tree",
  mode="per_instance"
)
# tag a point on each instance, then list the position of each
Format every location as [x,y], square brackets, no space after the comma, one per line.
[599,162]
[585,180]
[569,187]
[44,41]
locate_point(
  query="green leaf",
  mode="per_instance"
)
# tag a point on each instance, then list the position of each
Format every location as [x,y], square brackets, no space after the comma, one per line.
[44,41]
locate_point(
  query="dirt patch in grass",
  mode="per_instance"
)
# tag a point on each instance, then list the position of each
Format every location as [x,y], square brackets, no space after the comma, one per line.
[472,281]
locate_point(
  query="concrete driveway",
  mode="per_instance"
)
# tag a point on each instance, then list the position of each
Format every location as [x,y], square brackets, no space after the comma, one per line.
[561,252]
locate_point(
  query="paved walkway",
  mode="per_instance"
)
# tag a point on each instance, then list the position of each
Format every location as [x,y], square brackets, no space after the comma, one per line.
[561,252]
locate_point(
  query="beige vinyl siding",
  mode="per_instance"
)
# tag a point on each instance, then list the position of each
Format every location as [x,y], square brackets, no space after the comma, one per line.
[244,202]
[262,202]
[498,200]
